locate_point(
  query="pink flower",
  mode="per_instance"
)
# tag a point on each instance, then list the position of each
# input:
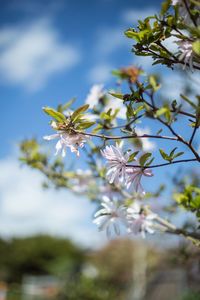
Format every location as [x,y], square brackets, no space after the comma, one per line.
[139,222]
[134,176]
[72,141]
[116,163]
[187,55]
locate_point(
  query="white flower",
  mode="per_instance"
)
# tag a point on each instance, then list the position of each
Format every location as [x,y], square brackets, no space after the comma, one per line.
[96,93]
[73,141]
[134,176]
[140,222]
[110,216]
[187,55]
[116,163]
[114,103]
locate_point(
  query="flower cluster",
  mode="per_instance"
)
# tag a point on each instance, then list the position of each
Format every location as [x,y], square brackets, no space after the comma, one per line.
[118,170]
[134,219]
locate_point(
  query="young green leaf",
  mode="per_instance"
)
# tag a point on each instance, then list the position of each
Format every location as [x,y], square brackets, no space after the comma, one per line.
[79,111]
[85,125]
[132,156]
[143,159]
[178,154]
[58,116]
[117,95]
[196,47]
[164,155]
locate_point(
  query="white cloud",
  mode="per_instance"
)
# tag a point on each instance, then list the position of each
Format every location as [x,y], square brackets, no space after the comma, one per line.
[144,62]
[28,209]
[29,55]
[100,73]
[172,85]
[132,16]
[109,40]
[147,144]
[171,44]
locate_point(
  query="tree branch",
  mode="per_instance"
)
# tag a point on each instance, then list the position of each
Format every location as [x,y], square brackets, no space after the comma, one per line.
[189,12]
[163,164]
[112,137]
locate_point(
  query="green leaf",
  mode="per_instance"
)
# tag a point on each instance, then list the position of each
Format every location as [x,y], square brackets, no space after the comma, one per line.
[117,95]
[65,106]
[178,154]
[164,155]
[144,158]
[132,156]
[185,98]
[172,152]
[159,131]
[153,83]
[196,47]
[165,6]
[79,111]
[85,125]
[150,162]
[138,109]
[137,36]
[58,116]
[161,111]
[97,128]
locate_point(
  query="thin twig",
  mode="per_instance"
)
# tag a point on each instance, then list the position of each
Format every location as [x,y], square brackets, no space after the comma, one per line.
[193,133]
[112,137]
[179,138]
[125,125]
[189,12]
[163,164]
[173,61]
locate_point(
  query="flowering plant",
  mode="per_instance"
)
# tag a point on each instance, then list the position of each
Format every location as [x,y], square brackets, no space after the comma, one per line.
[108,129]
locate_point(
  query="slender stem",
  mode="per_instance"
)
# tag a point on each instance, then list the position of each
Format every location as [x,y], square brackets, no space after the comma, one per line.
[171,110]
[184,113]
[112,137]
[127,124]
[189,12]
[193,133]
[163,164]
[191,236]
[179,138]
[173,61]
[165,49]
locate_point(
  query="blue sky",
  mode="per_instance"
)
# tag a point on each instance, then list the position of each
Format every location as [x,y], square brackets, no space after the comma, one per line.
[51,51]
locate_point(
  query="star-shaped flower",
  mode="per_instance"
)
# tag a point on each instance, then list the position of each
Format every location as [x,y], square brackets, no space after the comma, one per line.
[72,141]
[116,163]
[110,216]
[139,221]
[134,176]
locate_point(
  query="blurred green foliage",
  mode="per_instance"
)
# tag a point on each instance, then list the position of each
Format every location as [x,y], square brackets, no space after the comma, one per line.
[37,255]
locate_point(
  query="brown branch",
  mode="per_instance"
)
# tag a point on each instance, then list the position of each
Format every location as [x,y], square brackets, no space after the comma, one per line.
[173,61]
[189,12]
[163,164]
[179,138]
[193,133]
[112,137]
